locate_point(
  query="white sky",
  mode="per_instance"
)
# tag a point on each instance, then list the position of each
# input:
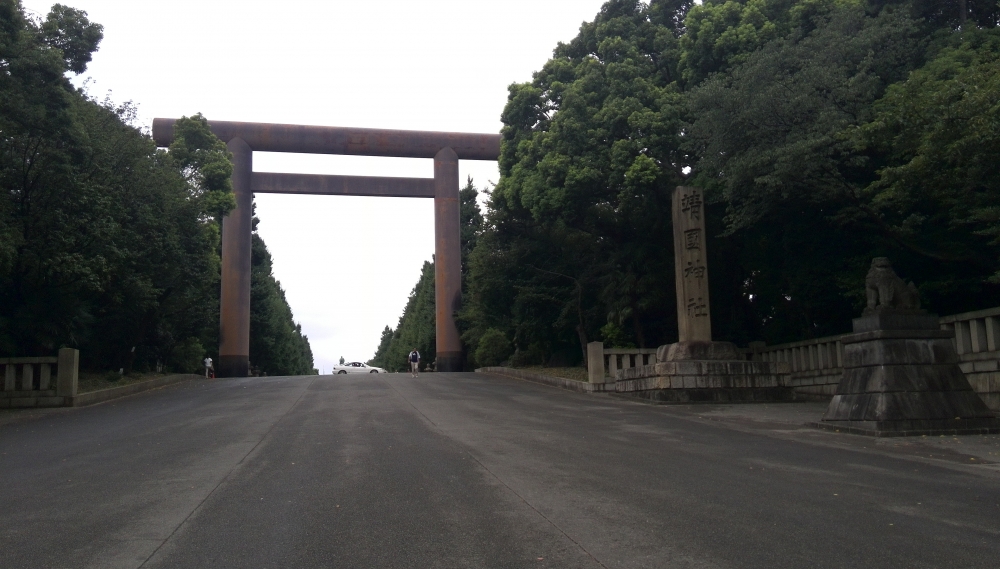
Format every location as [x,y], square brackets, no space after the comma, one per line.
[347,264]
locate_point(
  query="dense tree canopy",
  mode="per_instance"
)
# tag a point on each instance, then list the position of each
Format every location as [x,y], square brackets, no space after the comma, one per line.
[106,243]
[825,132]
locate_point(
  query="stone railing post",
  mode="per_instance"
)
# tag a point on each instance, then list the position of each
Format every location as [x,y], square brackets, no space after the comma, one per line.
[10,374]
[595,362]
[67,373]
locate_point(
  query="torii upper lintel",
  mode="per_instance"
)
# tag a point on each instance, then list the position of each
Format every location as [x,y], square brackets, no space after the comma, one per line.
[306,139]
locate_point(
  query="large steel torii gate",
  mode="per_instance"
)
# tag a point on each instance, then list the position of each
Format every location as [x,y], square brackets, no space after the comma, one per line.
[244,138]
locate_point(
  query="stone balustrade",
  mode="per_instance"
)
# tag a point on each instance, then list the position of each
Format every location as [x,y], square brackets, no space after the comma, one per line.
[977,341]
[40,382]
[817,365]
[603,362]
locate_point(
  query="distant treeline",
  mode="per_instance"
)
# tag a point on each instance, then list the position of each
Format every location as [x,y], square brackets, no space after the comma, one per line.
[107,244]
[825,133]
[415,329]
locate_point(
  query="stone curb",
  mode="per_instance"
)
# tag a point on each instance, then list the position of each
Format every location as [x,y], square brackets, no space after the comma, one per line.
[103,395]
[827,426]
[569,384]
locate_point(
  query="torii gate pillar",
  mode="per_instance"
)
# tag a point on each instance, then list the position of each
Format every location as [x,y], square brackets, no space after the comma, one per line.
[447,260]
[234,301]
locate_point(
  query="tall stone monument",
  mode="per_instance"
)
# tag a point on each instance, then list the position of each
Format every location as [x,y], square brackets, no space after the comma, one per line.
[901,374]
[697,369]
[694,322]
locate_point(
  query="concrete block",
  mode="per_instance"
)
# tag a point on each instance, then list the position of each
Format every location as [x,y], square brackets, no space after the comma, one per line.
[67,372]
[980,384]
[913,377]
[690,381]
[44,376]
[835,411]
[992,401]
[27,377]
[899,351]
[896,320]
[715,368]
[986,365]
[994,382]
[676,382]
[688,367]
[595,362]
[665,368]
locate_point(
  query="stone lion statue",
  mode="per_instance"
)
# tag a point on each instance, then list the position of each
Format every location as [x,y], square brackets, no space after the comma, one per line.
[886,290]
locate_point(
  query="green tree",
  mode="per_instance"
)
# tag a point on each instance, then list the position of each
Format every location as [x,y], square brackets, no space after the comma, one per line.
[721,33]
[493,349]
[106,243]
[826,132]
[415,329]
[770,134]
[591,150]
[937,136]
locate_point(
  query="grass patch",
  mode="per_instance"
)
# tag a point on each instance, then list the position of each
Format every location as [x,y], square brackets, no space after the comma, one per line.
[96,381]
[575,373]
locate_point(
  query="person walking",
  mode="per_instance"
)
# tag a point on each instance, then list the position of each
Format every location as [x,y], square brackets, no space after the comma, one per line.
[209,370]
[414,359]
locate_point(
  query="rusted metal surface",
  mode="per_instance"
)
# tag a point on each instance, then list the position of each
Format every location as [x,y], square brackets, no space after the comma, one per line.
[265,137]
[447,261]
[234,309]
[273,183]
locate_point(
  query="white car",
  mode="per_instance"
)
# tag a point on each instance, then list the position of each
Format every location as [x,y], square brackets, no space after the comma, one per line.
[356,367]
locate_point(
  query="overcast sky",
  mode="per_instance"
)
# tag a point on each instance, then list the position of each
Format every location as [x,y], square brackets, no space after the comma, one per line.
[347,264]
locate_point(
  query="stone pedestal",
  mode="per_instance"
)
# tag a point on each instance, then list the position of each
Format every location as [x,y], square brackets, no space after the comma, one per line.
[696,369]
[901,377]
[705,372]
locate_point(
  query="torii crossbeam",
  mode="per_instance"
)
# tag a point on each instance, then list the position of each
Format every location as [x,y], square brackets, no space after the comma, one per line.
[242,139]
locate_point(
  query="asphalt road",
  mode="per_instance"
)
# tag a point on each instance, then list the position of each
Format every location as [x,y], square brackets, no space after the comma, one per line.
[465,470]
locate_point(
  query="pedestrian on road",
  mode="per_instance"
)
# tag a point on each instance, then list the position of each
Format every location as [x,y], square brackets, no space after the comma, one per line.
[209,370]
[414,359]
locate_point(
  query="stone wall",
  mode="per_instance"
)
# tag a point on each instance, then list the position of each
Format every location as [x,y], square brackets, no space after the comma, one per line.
[39,381]
[977,340]
[817,365]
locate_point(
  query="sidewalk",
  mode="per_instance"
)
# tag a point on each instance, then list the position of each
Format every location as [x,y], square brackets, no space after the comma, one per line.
[789,421]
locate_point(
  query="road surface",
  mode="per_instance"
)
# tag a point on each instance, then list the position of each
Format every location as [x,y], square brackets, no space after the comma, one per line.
[466,470]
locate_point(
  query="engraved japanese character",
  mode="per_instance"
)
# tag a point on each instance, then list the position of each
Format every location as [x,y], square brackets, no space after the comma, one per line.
[691,205]
[695,269]
[696,308]
[692,239]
